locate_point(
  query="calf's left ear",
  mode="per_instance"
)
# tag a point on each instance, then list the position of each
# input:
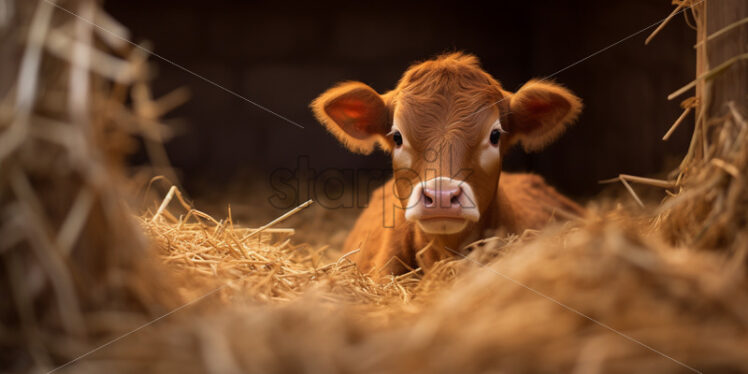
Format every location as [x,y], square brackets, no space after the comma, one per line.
[540,112]
[356,114]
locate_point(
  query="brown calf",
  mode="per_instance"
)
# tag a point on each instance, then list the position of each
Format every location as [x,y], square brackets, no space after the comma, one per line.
[447,125]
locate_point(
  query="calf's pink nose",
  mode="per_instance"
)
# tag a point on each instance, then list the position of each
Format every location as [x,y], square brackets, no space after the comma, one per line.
[444,198]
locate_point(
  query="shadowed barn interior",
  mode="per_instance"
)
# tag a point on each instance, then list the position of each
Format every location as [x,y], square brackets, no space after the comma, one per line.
[284,57]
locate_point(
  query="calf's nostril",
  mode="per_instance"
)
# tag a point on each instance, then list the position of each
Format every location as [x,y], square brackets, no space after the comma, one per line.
[455,199]
[428,200]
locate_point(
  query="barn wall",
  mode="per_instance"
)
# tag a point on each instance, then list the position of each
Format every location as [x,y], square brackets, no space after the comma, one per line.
[283,56]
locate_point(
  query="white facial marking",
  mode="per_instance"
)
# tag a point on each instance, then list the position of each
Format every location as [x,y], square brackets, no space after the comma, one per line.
[401,155]
[497,125]
[442,221]
[489,153]
[443,227]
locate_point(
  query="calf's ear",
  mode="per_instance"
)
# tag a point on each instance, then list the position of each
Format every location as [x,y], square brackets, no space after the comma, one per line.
[540,112]
[356,114]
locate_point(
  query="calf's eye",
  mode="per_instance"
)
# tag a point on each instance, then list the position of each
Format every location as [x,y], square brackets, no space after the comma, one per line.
[495,135]
[397,138]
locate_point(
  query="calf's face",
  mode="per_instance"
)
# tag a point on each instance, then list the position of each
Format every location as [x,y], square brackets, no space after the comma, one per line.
[447,125]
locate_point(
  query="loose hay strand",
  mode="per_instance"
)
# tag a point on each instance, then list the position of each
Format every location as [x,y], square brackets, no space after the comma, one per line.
[280,219]
[677,122]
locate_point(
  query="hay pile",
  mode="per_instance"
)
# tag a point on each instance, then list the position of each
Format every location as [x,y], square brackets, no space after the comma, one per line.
[464,317]
[709,209]
[75,267]
[626,290]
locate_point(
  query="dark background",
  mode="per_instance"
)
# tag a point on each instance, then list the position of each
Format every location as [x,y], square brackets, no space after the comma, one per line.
[283,55]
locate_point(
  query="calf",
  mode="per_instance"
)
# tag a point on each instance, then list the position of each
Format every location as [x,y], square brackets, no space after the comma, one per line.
[447,125]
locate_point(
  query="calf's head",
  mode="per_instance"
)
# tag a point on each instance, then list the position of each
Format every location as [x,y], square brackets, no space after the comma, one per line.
[447,125]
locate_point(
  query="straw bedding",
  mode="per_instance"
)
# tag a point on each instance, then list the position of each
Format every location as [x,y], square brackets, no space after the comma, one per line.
[661,289]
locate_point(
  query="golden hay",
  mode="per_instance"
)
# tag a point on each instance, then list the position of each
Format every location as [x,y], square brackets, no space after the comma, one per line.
[710,211]
[72,258]
[245,262]
[711,206]
[463,317]
[622,291]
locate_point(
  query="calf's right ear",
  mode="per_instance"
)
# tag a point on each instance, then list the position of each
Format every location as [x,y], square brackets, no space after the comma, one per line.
[540,112]
[356,114]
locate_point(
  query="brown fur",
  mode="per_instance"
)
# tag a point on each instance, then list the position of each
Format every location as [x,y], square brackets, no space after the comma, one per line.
[522,201]
[446,107]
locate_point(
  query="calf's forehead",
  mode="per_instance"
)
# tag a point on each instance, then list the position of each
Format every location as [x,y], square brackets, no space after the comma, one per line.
[439,120]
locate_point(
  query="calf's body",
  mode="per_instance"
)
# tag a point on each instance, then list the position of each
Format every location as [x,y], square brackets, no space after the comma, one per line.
[447,125]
